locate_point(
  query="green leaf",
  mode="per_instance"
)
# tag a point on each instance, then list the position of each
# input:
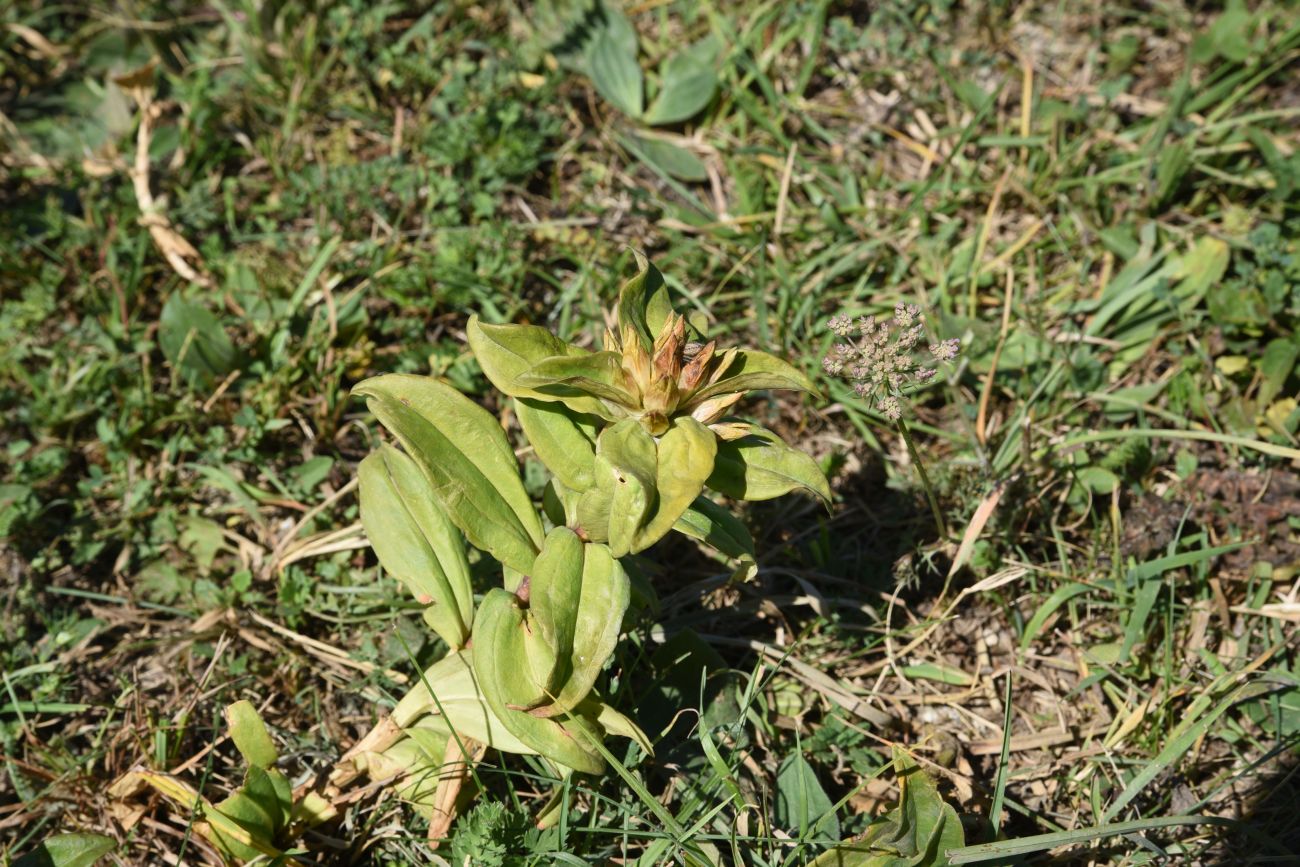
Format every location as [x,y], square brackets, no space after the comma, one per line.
[618,505]
[686,454]
[258,808]
[615,723]
[416,542]
[499,654]
[466,458]
[671,159]
[1201,268]
[750,370]
[68,850]
[194,342]
[760,466]
[563,440]
[601,602]
[708,522]
[688,83]
[506,351]
[918,832]
[249,733]
[448,698]
[615,71]
[1172,163]
[556,588]
[802,806]
[1276,366]
[598,375]
[1099,480]
[643,302]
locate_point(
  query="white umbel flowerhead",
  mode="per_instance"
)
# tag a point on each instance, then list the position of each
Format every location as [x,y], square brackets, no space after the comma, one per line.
[879,356]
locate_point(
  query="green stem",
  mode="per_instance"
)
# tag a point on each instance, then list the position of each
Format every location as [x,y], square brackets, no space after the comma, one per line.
[939,522]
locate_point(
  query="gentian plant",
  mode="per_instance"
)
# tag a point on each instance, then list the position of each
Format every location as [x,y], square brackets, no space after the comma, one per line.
[636,437]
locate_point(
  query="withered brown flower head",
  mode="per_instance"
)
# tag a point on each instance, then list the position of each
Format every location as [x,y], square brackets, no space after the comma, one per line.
[670,377]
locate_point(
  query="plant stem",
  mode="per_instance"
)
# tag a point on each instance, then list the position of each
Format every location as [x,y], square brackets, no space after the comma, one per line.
[939,522]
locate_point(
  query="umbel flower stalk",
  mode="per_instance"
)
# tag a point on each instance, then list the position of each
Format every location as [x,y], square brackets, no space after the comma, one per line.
[879,357]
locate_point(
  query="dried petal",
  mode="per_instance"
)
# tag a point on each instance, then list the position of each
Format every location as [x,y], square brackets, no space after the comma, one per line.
[693,372]
[715,407]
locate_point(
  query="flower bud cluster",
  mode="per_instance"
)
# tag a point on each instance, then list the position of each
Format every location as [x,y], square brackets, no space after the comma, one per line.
[878,355]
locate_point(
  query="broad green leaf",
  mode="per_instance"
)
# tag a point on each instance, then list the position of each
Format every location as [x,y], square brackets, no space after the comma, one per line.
[617,506]
[598,375]
[688,82]
[68,850]
[249,733]
[686,454]
[708,522]
[411,768]
[194,342]
[256,807]
[563,440]
[760,466]
[228,834]
[499,655]
[602,601]
[1099,480]
[416,542]
[918,832]
[464,454]
[803,808]
[671,159]
[643,302]
[615,72]
[448,695]
[750,370]
[555,588]
[505,351]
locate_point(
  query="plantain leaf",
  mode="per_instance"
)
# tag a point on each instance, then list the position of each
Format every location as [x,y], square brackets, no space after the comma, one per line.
[615,71]
[68,850]
[688,83]
[598,375]
[750,370]
[669,158]
[802,806]
[195,342]
[463,453]
[643,302]
[499,654]
[686,453]
[250,735]
[919,831]
[563,440]
[760,466]
[415,541]
[505,351]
